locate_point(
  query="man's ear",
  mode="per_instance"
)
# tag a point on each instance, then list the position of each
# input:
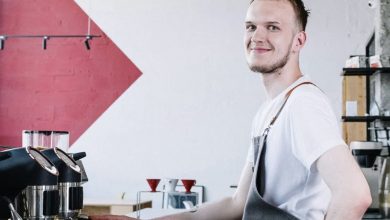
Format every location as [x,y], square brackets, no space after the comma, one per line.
[299,41]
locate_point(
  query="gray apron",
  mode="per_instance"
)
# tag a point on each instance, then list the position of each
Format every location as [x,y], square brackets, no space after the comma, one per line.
[256,208]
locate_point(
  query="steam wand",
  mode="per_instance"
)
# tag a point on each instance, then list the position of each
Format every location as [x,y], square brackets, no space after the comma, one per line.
[14,213]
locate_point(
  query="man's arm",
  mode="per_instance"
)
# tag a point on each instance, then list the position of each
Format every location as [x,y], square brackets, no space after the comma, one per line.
[227,208]
[350,192]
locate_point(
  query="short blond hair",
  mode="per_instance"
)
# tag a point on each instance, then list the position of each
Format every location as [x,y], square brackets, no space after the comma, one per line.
[300,11]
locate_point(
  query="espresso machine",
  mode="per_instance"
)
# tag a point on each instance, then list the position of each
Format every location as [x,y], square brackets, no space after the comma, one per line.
[69,183]
[71,171]
[375,164]
[30,179]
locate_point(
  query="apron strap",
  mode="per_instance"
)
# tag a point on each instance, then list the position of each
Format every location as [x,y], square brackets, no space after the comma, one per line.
[285,101]
[265,133]
[260,180]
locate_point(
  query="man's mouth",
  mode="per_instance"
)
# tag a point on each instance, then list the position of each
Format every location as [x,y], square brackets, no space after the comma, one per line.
[260,50]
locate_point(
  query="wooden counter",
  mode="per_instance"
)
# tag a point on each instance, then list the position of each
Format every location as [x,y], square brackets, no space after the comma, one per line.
[113,207]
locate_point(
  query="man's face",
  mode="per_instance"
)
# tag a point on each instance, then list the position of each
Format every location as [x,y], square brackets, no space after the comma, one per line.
[270,30]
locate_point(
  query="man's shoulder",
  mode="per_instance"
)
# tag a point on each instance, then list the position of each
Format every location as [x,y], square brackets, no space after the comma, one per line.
[307,93]
[307,99]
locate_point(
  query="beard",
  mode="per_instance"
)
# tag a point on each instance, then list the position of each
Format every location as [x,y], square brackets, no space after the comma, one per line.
[267,69]
[272,68]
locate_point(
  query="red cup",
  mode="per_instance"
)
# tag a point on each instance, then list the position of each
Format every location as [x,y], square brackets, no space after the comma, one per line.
[153,183]
[188,184]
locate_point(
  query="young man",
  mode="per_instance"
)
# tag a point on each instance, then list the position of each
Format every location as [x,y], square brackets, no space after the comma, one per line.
[309,171]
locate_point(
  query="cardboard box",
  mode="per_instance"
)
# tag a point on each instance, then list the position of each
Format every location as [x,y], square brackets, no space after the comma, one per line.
[354,91]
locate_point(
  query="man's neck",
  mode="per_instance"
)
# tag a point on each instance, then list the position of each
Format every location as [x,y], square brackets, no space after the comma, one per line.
[277,82]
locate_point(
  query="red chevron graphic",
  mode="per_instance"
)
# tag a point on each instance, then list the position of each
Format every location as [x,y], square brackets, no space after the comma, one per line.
[64,87]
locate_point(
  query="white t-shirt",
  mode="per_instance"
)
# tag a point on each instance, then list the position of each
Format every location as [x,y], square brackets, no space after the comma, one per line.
[305,129]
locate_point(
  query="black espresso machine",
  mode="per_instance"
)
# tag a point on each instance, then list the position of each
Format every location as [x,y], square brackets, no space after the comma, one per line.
[40,185]
[27,171]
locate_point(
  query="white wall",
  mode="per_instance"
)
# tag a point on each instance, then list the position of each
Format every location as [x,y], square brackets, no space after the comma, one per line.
[189,114]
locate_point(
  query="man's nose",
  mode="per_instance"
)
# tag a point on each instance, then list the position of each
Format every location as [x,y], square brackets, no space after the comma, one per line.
[259,35]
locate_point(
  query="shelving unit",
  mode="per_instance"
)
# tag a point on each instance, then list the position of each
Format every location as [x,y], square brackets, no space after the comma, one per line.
[365,72]
[364,118]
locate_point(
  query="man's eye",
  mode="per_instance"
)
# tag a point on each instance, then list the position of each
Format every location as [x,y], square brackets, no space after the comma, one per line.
[250,27]
[273,28]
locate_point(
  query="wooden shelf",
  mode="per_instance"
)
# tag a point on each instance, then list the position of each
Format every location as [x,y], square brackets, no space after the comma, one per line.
[364,118]
[113,207]
[363,71]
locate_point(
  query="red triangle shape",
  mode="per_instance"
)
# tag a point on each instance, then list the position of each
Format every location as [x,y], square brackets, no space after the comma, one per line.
[66,86]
